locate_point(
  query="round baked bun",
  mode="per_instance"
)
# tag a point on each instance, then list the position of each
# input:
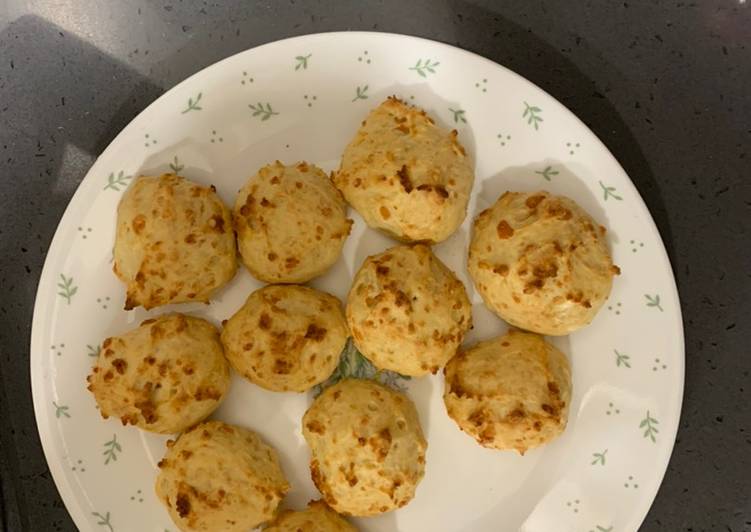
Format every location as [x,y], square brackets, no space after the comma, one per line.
[222,477]
[512,392]
[367,447]
[286,337]
[405,175]
[291,223]
[163,376]
[317,517]
[174,242]
[407,311]
[540,262]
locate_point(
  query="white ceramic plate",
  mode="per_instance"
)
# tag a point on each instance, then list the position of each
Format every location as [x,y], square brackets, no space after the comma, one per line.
[302,99]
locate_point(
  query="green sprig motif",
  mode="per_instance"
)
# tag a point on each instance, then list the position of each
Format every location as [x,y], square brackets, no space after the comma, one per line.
[609,192]
[264,112]
[458,115]
[93,350]
[653,301]
[361,93]
[67,288]
[111,448]
[193,104]
[599,458]
[532,114]
[60,410]
[302,61]
[423,67]
[648,424]
[547,172]
[175,165]
[622,359]
[352,364]
[114,182]
[104,520]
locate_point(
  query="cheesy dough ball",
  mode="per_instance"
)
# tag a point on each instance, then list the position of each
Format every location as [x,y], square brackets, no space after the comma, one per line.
[407,311]
[291,223]
[286,337]
[174,242]
[317,517]
[540,262]
[222,477]
[512,392]
[367,447]
[164,376]
[405,175]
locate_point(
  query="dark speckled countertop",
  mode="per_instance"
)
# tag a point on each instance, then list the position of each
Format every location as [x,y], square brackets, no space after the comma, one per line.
[666,86]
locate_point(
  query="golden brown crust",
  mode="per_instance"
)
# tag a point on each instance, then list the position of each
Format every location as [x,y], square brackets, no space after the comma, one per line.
[222,477]
[512,392]
[286,337]
[405,175]
[163,376]
[407,311]
[540,262]
[367,447]
[317,517]
[291,223]
[174,242]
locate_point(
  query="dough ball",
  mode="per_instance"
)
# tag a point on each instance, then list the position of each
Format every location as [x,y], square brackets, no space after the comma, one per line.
[164,376]
[407,311]
[317,517]
[540,262]
[174,242]
[286,337]
[512,392]
[367,447]
[222,477]
[291,223]
[405,175]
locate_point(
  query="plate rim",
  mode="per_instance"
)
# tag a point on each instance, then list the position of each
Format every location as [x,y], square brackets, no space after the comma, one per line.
[53,255]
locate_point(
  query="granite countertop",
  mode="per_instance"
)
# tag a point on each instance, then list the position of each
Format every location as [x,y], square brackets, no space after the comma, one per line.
[665,85]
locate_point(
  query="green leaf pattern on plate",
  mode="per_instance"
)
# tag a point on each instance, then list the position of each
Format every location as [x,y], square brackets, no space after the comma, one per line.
[115,182]
[67,288]
[458,115]
[599,458]
[60,410]
[361,93]
[649,425]
[532,114]
[653,301]
[609,192]
[103,520]
[194,104]
[301,62]
[111,448]
[264,112]
[423,67]
[352,364]
[547,172]
[621,359]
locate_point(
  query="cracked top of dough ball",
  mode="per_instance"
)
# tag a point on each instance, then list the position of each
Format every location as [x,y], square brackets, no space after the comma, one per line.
[405,175]
[286,337]
[163,376]
[317,517]
[512,392]
[291,223]
[367,447]
[407,311]
[540,262]
[174,242]
[219,476]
